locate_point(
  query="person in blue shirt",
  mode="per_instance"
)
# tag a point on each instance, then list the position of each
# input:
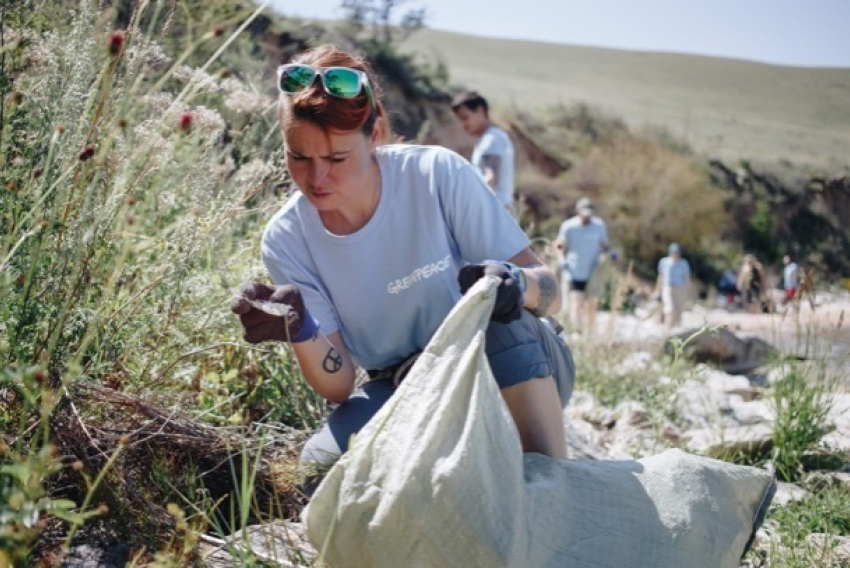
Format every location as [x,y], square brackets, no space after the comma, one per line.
[581,240]
[374,248]
[674,275]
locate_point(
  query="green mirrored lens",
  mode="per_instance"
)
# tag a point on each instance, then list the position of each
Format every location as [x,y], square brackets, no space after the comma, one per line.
[343,83]
[294,79]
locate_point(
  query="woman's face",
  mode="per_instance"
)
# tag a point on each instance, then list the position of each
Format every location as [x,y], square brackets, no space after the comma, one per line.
[329,167]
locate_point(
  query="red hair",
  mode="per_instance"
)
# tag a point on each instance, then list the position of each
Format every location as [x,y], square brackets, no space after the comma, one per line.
[334,113]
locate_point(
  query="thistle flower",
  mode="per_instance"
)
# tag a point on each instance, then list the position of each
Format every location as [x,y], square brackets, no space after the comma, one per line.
[86,153]
[185,121]
[116,43]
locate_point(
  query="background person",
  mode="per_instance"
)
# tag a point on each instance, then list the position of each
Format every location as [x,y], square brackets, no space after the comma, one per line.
[494,152]
[752,283]
[790,278]
[581,239]
[674,276]
[376,247]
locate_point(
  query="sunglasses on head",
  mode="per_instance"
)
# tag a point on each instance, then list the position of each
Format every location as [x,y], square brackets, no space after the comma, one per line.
[341,82]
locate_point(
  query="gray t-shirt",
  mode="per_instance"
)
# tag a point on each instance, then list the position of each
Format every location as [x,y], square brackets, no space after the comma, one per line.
[496,142]
[583,245]
[388,287]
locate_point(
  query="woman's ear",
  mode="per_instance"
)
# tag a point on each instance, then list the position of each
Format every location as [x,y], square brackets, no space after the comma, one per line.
[377,132]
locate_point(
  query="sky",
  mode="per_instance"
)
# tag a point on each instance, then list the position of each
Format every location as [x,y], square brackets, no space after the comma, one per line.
[784,32]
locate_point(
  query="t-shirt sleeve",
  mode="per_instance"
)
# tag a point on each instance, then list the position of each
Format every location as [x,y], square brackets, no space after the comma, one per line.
[661,266]
[480,226]
[489,145]
[287,258]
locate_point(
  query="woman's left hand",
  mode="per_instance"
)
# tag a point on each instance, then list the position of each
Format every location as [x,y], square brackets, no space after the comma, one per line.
[509,296]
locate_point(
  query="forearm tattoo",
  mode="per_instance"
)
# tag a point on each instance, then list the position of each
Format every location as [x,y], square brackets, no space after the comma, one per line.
[332,362]
[548,292]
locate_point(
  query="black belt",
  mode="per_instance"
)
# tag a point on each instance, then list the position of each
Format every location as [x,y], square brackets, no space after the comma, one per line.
[396,372]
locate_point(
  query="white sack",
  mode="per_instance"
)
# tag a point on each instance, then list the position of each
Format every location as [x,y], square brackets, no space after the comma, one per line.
[438,478]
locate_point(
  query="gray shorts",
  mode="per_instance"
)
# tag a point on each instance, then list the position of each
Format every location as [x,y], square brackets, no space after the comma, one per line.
[526,349]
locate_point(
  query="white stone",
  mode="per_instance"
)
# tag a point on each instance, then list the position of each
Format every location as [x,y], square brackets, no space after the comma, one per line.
[699,405]
[637,361]
[583,440]
[788,493]
[836,548]
[752,412]
[716,441]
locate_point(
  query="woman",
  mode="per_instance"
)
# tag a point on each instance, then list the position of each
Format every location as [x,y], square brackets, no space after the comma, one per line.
[376,247]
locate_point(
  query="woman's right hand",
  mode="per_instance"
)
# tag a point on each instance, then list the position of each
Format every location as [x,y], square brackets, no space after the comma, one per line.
[273,313]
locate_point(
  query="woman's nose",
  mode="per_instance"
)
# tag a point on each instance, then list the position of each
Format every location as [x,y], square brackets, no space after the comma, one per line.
[318,172]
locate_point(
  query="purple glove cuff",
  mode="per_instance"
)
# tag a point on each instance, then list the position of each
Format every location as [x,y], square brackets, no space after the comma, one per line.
[308,330]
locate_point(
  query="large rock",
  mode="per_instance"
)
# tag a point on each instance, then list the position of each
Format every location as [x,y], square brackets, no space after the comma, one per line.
[699,405]
[717,442]
[279,543]
[722,348]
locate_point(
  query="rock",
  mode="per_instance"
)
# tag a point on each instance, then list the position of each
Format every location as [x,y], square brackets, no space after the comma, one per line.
[636,362]
[821,480]
[731,384]
[722,348]
[752,412]
[831,547]
[717,442]
[95,556]
[699,405]
[838,440]
[280,543]
[584,406]
[788,493]
[583,440]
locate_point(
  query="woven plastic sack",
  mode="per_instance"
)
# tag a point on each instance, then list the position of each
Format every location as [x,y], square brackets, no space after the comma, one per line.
[438,478]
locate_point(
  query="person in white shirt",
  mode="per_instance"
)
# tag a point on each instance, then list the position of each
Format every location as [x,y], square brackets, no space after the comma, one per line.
[581,239]
[493,155]
[674,277]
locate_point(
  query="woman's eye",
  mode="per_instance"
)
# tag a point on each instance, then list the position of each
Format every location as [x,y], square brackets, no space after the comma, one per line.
[337,160]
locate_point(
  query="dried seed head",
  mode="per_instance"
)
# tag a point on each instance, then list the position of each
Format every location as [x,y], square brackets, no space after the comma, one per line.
[185,121]
[11,186]
[17,97]
[225,72]
[102,509]
[37,171]
[122,123]
[124,440]
[43,225]
[116,42]
[38,376]
[130,220]
[218,31]
[61,128]
[130,200]
[77,465]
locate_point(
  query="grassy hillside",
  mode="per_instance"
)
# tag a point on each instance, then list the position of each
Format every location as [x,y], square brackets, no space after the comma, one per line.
[724,108]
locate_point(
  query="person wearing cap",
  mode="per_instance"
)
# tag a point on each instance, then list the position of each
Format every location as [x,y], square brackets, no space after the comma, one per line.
[493,154]
[674,275]
[581,239]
